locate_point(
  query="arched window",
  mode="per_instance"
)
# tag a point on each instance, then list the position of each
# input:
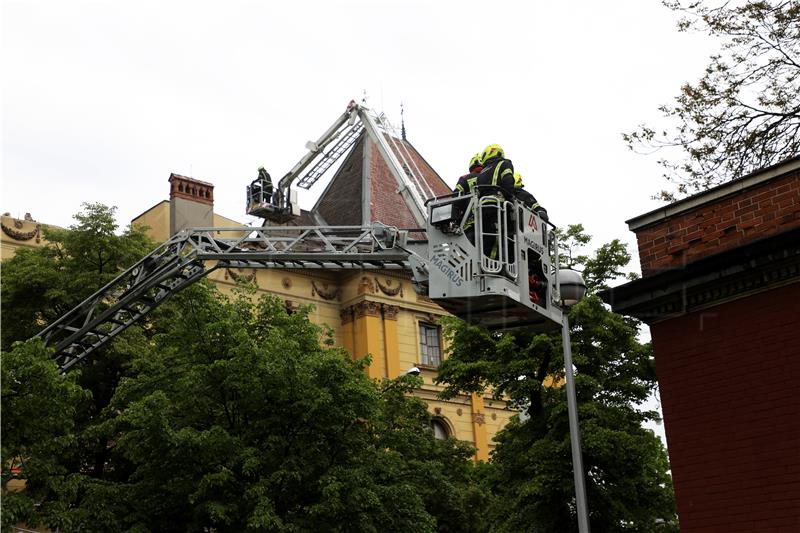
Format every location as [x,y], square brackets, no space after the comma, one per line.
[440,429]
[180,187]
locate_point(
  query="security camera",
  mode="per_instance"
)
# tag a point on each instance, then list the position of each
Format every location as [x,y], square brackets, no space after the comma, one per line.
[413,371]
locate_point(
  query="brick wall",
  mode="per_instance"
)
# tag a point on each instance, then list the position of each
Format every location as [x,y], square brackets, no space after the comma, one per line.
[341,204]
[386,204]
[763,210]
[191,189]
[729,379]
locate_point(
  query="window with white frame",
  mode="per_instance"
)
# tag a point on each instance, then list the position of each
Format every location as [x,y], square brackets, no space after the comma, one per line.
[429,344]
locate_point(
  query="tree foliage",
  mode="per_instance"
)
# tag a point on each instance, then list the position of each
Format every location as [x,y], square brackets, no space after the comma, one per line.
[744,113]
[530,479]
[40,285]
[219,414]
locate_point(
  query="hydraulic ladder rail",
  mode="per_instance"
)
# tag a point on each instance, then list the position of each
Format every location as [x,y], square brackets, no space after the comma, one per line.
[339,149]
[184,259]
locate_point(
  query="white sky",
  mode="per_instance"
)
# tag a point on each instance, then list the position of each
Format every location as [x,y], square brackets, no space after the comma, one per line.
[103,100]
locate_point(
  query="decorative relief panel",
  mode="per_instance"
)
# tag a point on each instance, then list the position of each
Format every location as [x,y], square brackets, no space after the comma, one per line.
[388,289]
[367,308]
[390,312]
[324,291]
[290,306]
[423,298]
[365,286]
[237,277]
[346,315]
[478,418]
[18,234]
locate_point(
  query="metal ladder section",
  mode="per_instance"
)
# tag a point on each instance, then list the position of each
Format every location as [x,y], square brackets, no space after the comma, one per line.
[498,213]
[184,259]
[409,163]
[339,149]
[406,171]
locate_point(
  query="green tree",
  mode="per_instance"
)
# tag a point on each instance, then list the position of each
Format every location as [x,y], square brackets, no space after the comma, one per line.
[40,285]
[244,417]
[744,113]
[628,486]
[38,427]
[218,414]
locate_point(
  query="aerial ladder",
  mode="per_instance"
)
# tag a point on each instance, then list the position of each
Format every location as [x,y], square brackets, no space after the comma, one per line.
[515,286]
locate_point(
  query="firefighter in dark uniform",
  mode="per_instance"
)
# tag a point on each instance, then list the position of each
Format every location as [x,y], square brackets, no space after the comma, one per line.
[467,181]
[527,199]
[497,172]
[266,183]
[464,188]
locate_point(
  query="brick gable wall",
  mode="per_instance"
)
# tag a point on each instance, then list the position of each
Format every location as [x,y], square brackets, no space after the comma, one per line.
[341,203]
[386,203]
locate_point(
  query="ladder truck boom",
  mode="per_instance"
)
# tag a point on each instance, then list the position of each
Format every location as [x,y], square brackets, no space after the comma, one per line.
[486,259]
[280,205]
[516,287]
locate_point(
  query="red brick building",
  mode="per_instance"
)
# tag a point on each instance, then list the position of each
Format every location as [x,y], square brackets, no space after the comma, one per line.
[721,293]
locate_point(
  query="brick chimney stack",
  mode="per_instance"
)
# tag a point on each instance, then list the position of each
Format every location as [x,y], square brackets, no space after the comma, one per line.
[191,203]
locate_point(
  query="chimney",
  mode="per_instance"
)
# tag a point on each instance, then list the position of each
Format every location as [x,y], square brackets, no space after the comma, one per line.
[191,203]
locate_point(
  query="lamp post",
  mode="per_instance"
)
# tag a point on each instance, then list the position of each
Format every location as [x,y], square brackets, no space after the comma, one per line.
[572,288]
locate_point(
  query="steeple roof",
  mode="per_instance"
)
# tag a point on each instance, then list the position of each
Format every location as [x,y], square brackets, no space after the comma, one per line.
[364,190]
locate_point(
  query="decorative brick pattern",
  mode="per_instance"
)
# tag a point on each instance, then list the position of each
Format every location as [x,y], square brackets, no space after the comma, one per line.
[191,189]
[763,210]
[729,379]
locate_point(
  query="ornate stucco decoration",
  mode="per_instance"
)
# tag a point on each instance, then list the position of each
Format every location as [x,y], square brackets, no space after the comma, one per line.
[346,315]
[286,283]
[390,312]
[18,235]
[249,278]
[290,306]
[325,292]
[478,418]
[365,286]
[367,308]
[423,298]
[387,289]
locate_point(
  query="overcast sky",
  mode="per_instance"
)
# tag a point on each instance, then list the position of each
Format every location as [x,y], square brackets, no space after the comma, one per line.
[103,100]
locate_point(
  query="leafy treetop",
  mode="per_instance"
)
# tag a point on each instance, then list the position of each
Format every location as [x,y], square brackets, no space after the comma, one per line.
[744,112]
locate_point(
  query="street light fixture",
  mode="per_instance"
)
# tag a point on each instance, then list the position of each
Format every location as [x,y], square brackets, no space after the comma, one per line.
[572,289]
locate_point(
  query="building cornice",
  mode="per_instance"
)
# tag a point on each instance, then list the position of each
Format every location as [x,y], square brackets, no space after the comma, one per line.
[761,265]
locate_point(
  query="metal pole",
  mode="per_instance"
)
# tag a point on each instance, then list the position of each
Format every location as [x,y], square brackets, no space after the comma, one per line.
[574,429]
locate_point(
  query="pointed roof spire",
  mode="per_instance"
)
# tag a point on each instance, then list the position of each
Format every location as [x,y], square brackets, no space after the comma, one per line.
[402,123]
